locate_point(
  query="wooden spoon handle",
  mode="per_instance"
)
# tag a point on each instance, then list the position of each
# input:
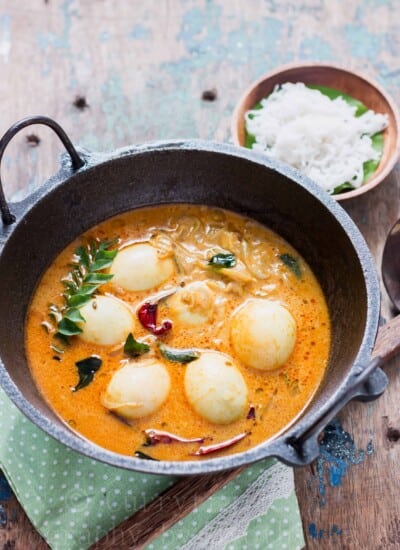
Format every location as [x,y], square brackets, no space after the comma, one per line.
[387,343]
[187,493]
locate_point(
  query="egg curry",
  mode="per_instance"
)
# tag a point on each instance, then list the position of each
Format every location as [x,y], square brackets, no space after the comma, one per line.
[178,332]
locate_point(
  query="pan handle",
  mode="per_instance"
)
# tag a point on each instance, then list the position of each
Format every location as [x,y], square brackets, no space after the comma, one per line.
[6,215]
[387,346]
[298,442]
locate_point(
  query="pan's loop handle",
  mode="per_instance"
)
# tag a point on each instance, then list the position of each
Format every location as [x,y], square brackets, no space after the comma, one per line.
[6,215]
[305,444]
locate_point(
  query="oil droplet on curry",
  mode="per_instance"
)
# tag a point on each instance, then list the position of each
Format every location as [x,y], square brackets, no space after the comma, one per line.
[178,332]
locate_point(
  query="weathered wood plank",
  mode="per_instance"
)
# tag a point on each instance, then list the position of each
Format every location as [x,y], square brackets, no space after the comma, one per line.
[364,505]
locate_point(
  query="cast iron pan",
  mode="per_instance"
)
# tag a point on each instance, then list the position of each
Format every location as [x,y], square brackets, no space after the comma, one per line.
[91,187]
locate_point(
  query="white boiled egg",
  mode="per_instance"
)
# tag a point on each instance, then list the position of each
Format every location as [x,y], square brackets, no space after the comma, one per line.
[215,388]
[263,334]
[108,321]
[139,267]
[192,305]
[137,389]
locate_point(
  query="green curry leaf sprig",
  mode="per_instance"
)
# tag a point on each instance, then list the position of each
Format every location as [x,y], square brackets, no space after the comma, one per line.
[81,284]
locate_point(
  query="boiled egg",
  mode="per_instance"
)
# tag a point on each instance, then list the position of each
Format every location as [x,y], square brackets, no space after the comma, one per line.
[137,389]
[263,334]
[108,321]
[215,388]
[139,267]
[192,305]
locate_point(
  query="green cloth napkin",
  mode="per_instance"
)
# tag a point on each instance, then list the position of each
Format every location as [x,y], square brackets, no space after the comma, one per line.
[73,500]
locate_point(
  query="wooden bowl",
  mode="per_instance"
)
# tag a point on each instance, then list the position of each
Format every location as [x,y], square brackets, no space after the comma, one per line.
[353,84]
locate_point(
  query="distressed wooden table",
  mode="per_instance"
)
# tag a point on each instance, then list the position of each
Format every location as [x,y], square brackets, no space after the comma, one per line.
[114,73]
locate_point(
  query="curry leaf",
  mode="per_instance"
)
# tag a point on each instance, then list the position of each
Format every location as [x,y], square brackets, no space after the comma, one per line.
[87,290]
[223,260]
[102,263]
[86,370]
[106,244]
[71,286]
[66,327]
[133,348]
[84,258]
[174,355]
[102,258]
[78,300]
[292,264]
[74,315]
[98,278]
[140,454]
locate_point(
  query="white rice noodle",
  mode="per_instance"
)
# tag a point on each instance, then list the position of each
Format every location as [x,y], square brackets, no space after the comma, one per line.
[320,137]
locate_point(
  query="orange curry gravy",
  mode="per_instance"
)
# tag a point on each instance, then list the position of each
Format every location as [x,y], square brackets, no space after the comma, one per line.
[191,234]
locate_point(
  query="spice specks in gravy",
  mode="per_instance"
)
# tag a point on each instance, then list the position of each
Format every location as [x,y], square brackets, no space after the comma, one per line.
[180,331]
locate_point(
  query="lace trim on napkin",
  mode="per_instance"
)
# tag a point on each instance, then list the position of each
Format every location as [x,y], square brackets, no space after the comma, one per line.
[231,523]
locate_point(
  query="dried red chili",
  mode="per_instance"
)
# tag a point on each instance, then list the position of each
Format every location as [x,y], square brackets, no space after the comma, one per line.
[147,314]
[207,449]
[251,415]
[158,436]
